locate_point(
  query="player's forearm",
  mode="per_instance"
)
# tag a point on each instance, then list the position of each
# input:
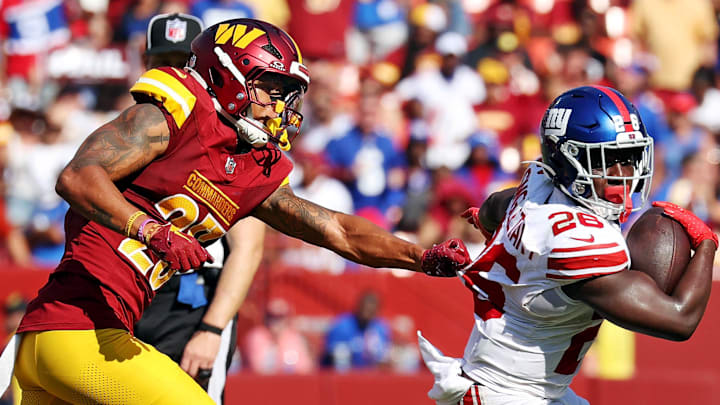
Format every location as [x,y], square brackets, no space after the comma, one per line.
[693,289]
[246,240]
[351,237]
[363,242]
[232,287]
[91,193]
[677,317]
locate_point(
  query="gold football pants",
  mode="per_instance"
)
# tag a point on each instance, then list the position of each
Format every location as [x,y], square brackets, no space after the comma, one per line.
[105,366]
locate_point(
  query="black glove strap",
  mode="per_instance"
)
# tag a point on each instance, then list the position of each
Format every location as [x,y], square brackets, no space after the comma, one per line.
[209,328]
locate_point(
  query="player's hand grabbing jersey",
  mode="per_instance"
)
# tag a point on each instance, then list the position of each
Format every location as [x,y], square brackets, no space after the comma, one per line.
[200,184]
[526,328]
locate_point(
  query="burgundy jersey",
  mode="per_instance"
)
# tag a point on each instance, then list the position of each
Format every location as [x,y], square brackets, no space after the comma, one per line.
[200,184]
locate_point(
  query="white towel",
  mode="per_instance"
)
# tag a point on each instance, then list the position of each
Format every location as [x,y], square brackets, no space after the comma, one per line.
[7,362]
[450,386]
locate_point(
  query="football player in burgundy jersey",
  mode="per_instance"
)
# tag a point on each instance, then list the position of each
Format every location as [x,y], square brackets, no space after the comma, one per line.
[148,190]
[179,320]
[556,264]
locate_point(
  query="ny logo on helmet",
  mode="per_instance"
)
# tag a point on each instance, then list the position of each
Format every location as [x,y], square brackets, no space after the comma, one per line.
[556,121]
[240,39]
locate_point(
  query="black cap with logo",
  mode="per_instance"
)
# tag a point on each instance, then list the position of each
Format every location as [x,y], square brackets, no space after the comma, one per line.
[172,33]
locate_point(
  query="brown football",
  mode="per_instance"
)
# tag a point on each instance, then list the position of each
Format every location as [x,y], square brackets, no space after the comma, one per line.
[659,247]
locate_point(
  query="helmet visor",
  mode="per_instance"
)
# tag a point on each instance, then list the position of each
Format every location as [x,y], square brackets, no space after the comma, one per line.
[284,94]
[592,161]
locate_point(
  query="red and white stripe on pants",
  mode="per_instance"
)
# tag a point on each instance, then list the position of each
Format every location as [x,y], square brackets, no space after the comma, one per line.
[472,396]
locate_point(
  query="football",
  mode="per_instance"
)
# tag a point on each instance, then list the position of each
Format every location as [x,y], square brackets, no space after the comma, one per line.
[659,247]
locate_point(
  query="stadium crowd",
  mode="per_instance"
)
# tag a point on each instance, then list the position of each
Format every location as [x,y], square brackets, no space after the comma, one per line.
[417,109]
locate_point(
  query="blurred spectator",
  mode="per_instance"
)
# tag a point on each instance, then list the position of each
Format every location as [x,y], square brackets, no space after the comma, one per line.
[482,167]
[419,180]
[276,12]
[73,112]
[404,352]
[15,305]
[325,120]
[366,160]
[14,247]
[321,26]
[708,97]
[451,197]
[502,113]
[136,19]
[682,34]
[310,180]
[29,30]
[360,339]
[694,189]
[212,12]
[687,138]
[633,82]
[426,21]
[379,27]
[36,159]
[276,347]
[447,95]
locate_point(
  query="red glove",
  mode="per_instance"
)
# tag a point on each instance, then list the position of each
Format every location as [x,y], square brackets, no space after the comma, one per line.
[696,229]
[472,215]
[445,259]
[181,251]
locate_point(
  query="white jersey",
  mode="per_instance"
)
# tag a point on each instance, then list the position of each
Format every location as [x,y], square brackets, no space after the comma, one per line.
[529,336]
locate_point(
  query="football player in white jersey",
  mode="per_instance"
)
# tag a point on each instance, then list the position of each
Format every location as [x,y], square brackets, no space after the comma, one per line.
[556,263]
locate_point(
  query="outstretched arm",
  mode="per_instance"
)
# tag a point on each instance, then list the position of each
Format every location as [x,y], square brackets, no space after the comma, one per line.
[352,237]
[114,151]
[631,299]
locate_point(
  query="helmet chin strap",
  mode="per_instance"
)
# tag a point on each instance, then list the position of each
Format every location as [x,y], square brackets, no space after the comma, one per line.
[249,129]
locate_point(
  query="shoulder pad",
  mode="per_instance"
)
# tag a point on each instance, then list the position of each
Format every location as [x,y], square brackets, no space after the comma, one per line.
[583,245]
[166,86]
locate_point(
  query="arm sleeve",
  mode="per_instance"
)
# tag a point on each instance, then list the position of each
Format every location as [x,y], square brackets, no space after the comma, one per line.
[572,258]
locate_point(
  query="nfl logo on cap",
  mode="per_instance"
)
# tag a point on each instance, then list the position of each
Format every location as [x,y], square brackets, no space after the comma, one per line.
[176,30]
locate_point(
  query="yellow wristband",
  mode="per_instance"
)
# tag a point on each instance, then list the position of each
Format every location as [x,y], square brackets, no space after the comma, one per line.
[130,221]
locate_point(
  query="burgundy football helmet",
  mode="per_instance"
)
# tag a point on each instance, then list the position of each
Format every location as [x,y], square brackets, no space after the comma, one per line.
[231,55]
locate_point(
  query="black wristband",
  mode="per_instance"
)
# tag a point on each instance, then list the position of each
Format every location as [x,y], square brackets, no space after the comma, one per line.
[209,328]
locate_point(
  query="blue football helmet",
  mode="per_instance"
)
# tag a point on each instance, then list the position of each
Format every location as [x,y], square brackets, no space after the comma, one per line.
[584,132]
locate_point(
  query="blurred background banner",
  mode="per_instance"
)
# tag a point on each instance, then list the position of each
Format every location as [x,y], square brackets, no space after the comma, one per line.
[417,110]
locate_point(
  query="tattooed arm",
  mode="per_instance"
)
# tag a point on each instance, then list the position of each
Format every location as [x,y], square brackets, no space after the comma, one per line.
[352,237]
[115,150]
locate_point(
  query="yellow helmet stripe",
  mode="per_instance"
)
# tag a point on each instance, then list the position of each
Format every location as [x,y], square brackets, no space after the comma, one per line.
[223,33]
[246,39]
[297,49]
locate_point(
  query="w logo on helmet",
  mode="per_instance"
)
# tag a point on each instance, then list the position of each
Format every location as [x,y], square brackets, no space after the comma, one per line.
[240,39]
